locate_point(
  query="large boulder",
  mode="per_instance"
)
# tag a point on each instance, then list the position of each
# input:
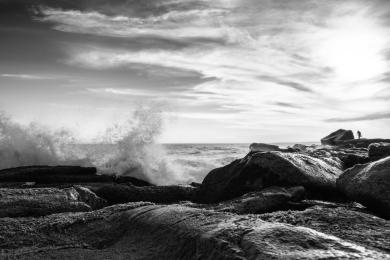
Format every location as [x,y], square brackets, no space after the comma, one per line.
[378,151]
[39,202]
[335,137]
[117,193]
[369,184]
[260,170]
[146,231]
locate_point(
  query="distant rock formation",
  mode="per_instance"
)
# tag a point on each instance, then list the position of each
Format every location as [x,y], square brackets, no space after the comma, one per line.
[261,147]
[337,136]
[369,184]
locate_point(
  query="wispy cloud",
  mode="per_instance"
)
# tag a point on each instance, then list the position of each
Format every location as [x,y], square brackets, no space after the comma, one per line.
[26,76]
[369,117]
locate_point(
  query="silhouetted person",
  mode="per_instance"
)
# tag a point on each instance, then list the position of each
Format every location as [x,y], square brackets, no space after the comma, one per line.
[359,134]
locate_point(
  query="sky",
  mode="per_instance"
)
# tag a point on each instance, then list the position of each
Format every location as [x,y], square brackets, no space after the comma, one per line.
[220,71]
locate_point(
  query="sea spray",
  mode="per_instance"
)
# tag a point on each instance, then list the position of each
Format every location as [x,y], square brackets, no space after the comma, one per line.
[33,145]
[136,151]
[129,148]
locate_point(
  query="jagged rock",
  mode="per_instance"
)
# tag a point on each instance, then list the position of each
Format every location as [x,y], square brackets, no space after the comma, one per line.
[267,200]
[87,196]
[348,156]
[159,194]
[369,184]
[261,147]
[260,170]
[335,137]
[39,202]
[378,151]
[348,223]
[144,231]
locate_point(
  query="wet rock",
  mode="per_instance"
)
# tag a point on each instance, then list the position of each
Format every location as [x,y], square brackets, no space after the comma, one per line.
[39,202]
[61,177]
[145,231]
[260,170]
[348,223]
[335,137]
[378,151]
[52,174]
[261,147]
[160,194]
[348,156]
[369,184]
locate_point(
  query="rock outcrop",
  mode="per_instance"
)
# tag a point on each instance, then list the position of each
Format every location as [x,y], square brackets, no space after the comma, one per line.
[369,184]
[261,147]
[378,151]
[146,231]
[361,143]
[46,201]
[337,136]
[117,193]
[260,170]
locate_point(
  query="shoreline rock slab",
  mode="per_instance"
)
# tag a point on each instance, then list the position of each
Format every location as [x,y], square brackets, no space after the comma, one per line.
[117,193]
[40,202]
[264,169]
[369,184]
[146,231]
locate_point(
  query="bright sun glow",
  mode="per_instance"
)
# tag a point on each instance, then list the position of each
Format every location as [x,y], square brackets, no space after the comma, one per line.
[353,50]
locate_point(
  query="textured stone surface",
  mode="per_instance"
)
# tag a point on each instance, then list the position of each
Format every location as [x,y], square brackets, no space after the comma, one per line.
[39,202]
[347,223]
[145,231]
[369,184]
[161,194]
[378,151]
[260,170]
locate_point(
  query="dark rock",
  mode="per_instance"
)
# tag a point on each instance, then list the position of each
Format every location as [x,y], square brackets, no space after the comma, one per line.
[369,184]
[87,196]
[345,222]
[348,156]
[52,174]
[378,151]
[159,194]
[267,200]
[337,136]
[196,184]
[261,147]
[39,202]
[260,170]
[134,181]
[144,231]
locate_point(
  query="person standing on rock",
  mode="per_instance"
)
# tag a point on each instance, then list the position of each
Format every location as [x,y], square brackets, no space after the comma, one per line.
[359,134]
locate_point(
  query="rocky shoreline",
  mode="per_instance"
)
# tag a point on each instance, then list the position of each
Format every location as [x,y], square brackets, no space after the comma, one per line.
[303,202]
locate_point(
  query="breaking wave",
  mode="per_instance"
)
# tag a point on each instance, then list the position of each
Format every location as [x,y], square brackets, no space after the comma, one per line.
[126,149]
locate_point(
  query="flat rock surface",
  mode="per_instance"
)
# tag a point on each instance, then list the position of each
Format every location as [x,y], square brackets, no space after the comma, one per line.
[146,231]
